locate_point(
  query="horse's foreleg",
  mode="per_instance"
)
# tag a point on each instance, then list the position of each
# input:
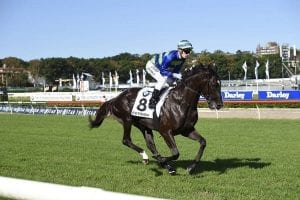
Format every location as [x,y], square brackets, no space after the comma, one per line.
[148,135]
[194,135]
[170,141]
[151,145]
[128,142]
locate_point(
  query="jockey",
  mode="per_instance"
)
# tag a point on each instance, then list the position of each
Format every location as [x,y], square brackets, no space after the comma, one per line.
[165,67]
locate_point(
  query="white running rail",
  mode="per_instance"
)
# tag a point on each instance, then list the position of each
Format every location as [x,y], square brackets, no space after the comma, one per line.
[24,189]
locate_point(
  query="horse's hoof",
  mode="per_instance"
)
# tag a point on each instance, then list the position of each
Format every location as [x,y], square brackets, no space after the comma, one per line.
[146,161]
[170,169]
[191,168]
[172,172]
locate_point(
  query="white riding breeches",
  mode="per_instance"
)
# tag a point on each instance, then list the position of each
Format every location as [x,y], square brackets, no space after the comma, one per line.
[155,73]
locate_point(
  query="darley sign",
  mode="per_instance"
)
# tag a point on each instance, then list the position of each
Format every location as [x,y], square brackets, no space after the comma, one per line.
[237,95]
[279,95]
[234,95]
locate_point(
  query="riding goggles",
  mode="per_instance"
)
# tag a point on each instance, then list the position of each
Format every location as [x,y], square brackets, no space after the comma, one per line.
[187,51]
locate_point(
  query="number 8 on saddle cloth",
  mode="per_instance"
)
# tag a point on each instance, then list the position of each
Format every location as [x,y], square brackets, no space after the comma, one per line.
[140,107]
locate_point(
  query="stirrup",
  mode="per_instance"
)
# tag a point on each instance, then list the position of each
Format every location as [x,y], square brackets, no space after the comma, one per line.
[152,104]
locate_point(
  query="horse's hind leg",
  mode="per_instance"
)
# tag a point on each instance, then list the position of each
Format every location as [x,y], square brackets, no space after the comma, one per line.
[194,135]
[128,142]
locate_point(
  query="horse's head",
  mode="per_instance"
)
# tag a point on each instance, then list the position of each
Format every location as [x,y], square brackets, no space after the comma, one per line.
[207,83]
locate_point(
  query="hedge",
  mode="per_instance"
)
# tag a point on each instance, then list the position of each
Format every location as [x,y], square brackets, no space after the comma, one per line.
[201,104]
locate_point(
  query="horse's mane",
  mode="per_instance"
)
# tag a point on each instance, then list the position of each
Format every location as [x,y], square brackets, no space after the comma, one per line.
[200,68]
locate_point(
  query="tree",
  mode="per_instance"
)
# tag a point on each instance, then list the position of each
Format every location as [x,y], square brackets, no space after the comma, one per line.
[15,72]
[55,68]
[34,69]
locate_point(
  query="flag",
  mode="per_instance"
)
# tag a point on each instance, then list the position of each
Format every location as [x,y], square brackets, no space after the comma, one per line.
[103,80]
[144,77]
[130,77]
[116,79]
[137,77]
[78,81]
[74,82]
[256,70]
[267,70]
[110,80]
[245,69]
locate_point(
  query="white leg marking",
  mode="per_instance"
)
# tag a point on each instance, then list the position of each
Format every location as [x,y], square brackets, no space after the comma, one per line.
[144,155]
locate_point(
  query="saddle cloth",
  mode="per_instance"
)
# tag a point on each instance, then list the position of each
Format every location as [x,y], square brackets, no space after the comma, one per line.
[140,107]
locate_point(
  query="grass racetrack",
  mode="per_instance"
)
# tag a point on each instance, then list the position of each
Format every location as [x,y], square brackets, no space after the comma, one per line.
[244,158]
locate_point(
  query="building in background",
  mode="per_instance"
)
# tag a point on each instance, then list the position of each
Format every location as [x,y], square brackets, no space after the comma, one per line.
[269,48]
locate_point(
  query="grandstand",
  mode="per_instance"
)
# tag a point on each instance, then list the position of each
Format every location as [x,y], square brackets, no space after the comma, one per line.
[254,85]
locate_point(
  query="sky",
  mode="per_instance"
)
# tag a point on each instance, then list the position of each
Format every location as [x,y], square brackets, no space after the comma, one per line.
[34,29]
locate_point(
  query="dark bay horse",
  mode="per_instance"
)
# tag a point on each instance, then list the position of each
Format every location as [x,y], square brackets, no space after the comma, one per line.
[178,114]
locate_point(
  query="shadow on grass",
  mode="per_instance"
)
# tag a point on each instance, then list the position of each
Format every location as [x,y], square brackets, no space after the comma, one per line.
[218,165]
[222,165]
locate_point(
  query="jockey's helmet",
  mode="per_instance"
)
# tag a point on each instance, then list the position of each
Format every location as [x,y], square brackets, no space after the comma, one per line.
[184,44]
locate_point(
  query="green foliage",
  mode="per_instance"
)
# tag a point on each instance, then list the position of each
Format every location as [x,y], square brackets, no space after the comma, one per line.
[17,75]
[54,68]
[244,159]
[13,62]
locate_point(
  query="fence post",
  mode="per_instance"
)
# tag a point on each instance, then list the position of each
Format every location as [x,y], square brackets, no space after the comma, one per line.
[217,113]
[83,110]
[258,111]
[11,112]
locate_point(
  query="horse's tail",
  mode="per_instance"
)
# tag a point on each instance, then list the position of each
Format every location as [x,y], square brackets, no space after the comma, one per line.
[101,113]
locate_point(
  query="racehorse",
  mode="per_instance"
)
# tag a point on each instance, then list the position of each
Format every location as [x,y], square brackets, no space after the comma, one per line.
[178,114]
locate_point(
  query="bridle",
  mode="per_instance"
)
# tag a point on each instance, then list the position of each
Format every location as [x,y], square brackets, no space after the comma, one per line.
[207,97]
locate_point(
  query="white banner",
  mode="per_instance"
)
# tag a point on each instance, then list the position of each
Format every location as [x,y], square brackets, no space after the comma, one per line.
[90,97]
[103,96]
[51,97]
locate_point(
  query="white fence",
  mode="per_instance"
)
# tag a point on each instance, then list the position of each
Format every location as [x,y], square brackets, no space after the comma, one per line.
[251,113]
[33,190]
[66,96]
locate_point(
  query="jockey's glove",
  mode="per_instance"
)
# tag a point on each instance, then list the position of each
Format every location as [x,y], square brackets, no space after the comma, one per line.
[178,76]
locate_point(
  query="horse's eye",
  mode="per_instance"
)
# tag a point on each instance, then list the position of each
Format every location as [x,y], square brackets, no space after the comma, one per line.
[215,82]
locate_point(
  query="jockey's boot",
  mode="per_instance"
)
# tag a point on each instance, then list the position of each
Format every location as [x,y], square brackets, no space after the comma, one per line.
[154,99]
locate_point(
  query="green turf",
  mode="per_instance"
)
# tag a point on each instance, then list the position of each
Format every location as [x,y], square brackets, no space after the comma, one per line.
[244,158]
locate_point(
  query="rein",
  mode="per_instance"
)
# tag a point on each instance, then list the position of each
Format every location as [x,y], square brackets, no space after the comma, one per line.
[192,90]
[196,92]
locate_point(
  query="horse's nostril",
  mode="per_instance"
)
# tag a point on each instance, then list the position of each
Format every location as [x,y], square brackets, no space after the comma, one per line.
[219,106]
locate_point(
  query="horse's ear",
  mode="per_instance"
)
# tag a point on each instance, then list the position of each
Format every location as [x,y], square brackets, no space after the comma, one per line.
[214,67]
